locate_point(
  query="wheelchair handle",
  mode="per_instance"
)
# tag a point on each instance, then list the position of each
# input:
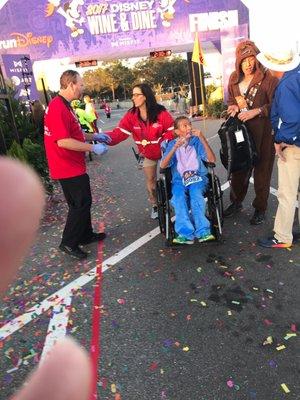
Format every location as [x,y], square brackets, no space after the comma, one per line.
[163,170]
[136,155]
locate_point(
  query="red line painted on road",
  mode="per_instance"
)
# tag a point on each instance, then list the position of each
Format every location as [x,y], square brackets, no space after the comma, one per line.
[95,349]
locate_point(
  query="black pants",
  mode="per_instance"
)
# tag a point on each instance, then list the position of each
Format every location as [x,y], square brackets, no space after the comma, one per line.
[78,227]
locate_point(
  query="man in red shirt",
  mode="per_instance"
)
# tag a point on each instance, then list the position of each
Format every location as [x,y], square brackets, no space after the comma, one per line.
[65,149]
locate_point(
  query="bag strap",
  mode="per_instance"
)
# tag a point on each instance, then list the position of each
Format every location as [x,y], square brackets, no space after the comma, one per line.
[251,93]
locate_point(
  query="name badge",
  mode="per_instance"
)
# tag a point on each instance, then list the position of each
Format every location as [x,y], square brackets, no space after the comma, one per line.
[239,136]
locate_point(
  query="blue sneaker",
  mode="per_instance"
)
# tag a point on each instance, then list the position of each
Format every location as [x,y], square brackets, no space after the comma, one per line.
[182,240]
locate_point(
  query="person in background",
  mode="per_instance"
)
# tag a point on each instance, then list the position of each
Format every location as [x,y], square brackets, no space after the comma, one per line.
[181,103]
[284,63]
[251,89]
[107,110]
[85,119]
[185,156]
[176,102]
[149,123]
[38,112]
[91,112]
[65,145]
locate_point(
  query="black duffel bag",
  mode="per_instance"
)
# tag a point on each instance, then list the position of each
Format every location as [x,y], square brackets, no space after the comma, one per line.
[238,150]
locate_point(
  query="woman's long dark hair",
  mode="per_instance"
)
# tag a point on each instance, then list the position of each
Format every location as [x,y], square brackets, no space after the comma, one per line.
[153,108]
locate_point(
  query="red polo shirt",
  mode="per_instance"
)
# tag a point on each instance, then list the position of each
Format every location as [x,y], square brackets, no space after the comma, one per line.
[62,123]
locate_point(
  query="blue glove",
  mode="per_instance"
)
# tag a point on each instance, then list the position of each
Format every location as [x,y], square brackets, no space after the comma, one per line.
[102,137]
[99,148]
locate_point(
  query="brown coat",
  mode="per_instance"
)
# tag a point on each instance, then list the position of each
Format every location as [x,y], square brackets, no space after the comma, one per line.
[260,128]
[259,125]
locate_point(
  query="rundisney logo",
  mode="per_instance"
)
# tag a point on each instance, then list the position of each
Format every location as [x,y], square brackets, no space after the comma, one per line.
[29,40]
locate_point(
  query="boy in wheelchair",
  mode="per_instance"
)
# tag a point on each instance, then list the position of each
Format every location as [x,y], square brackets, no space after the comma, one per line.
[185,156]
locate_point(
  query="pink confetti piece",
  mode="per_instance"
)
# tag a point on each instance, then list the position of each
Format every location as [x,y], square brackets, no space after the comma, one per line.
[230,383]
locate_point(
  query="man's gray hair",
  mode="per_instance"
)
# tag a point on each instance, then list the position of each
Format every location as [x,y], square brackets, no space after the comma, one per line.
[69,76]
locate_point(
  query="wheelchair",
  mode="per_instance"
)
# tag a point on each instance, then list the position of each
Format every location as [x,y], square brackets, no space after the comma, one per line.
[214,204]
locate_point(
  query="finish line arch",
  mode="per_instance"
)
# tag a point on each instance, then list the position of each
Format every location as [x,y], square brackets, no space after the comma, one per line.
[112,29]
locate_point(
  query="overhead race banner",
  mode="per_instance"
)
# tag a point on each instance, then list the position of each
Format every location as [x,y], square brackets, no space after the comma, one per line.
[113,28]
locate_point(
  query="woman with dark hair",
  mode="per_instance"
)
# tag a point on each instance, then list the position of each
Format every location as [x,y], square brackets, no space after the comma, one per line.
[149,123]
[251,89]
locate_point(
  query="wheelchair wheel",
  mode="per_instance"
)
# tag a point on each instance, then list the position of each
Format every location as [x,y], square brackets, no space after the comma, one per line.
[166,225]
[169,225]
[219,198]
[215,207]
[160,197]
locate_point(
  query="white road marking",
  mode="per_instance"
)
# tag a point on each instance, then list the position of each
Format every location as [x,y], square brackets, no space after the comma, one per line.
[272,190]
[57,327]
[212,137]
[59,297]
[225,186]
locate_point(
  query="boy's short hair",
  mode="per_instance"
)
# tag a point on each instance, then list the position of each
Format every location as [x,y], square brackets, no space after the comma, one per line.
[179,119]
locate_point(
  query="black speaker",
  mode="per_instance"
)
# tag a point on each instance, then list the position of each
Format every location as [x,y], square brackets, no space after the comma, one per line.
[194,75]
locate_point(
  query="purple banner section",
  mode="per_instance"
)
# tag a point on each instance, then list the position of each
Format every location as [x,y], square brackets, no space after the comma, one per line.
[229,40]
[107,29]
[18,69]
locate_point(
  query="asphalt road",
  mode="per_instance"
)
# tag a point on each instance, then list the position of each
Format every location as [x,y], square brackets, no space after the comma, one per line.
[184,323]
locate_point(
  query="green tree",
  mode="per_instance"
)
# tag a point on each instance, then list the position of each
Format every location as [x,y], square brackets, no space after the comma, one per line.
[95,80]
[22,118]
[120,76]
[163,71]
[114,76]
[144,71]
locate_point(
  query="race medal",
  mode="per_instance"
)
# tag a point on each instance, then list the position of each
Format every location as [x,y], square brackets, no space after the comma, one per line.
[144,142]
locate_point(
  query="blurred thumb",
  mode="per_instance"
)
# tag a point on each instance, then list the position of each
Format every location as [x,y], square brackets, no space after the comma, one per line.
[65,374]
[21,204]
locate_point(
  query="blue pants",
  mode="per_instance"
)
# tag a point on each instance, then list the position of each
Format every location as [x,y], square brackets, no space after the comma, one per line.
[188,224]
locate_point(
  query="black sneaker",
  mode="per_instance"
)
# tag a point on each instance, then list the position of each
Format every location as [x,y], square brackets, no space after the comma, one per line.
[257,218]
[233,209]
[74,252]
[96,237]
[273,243]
